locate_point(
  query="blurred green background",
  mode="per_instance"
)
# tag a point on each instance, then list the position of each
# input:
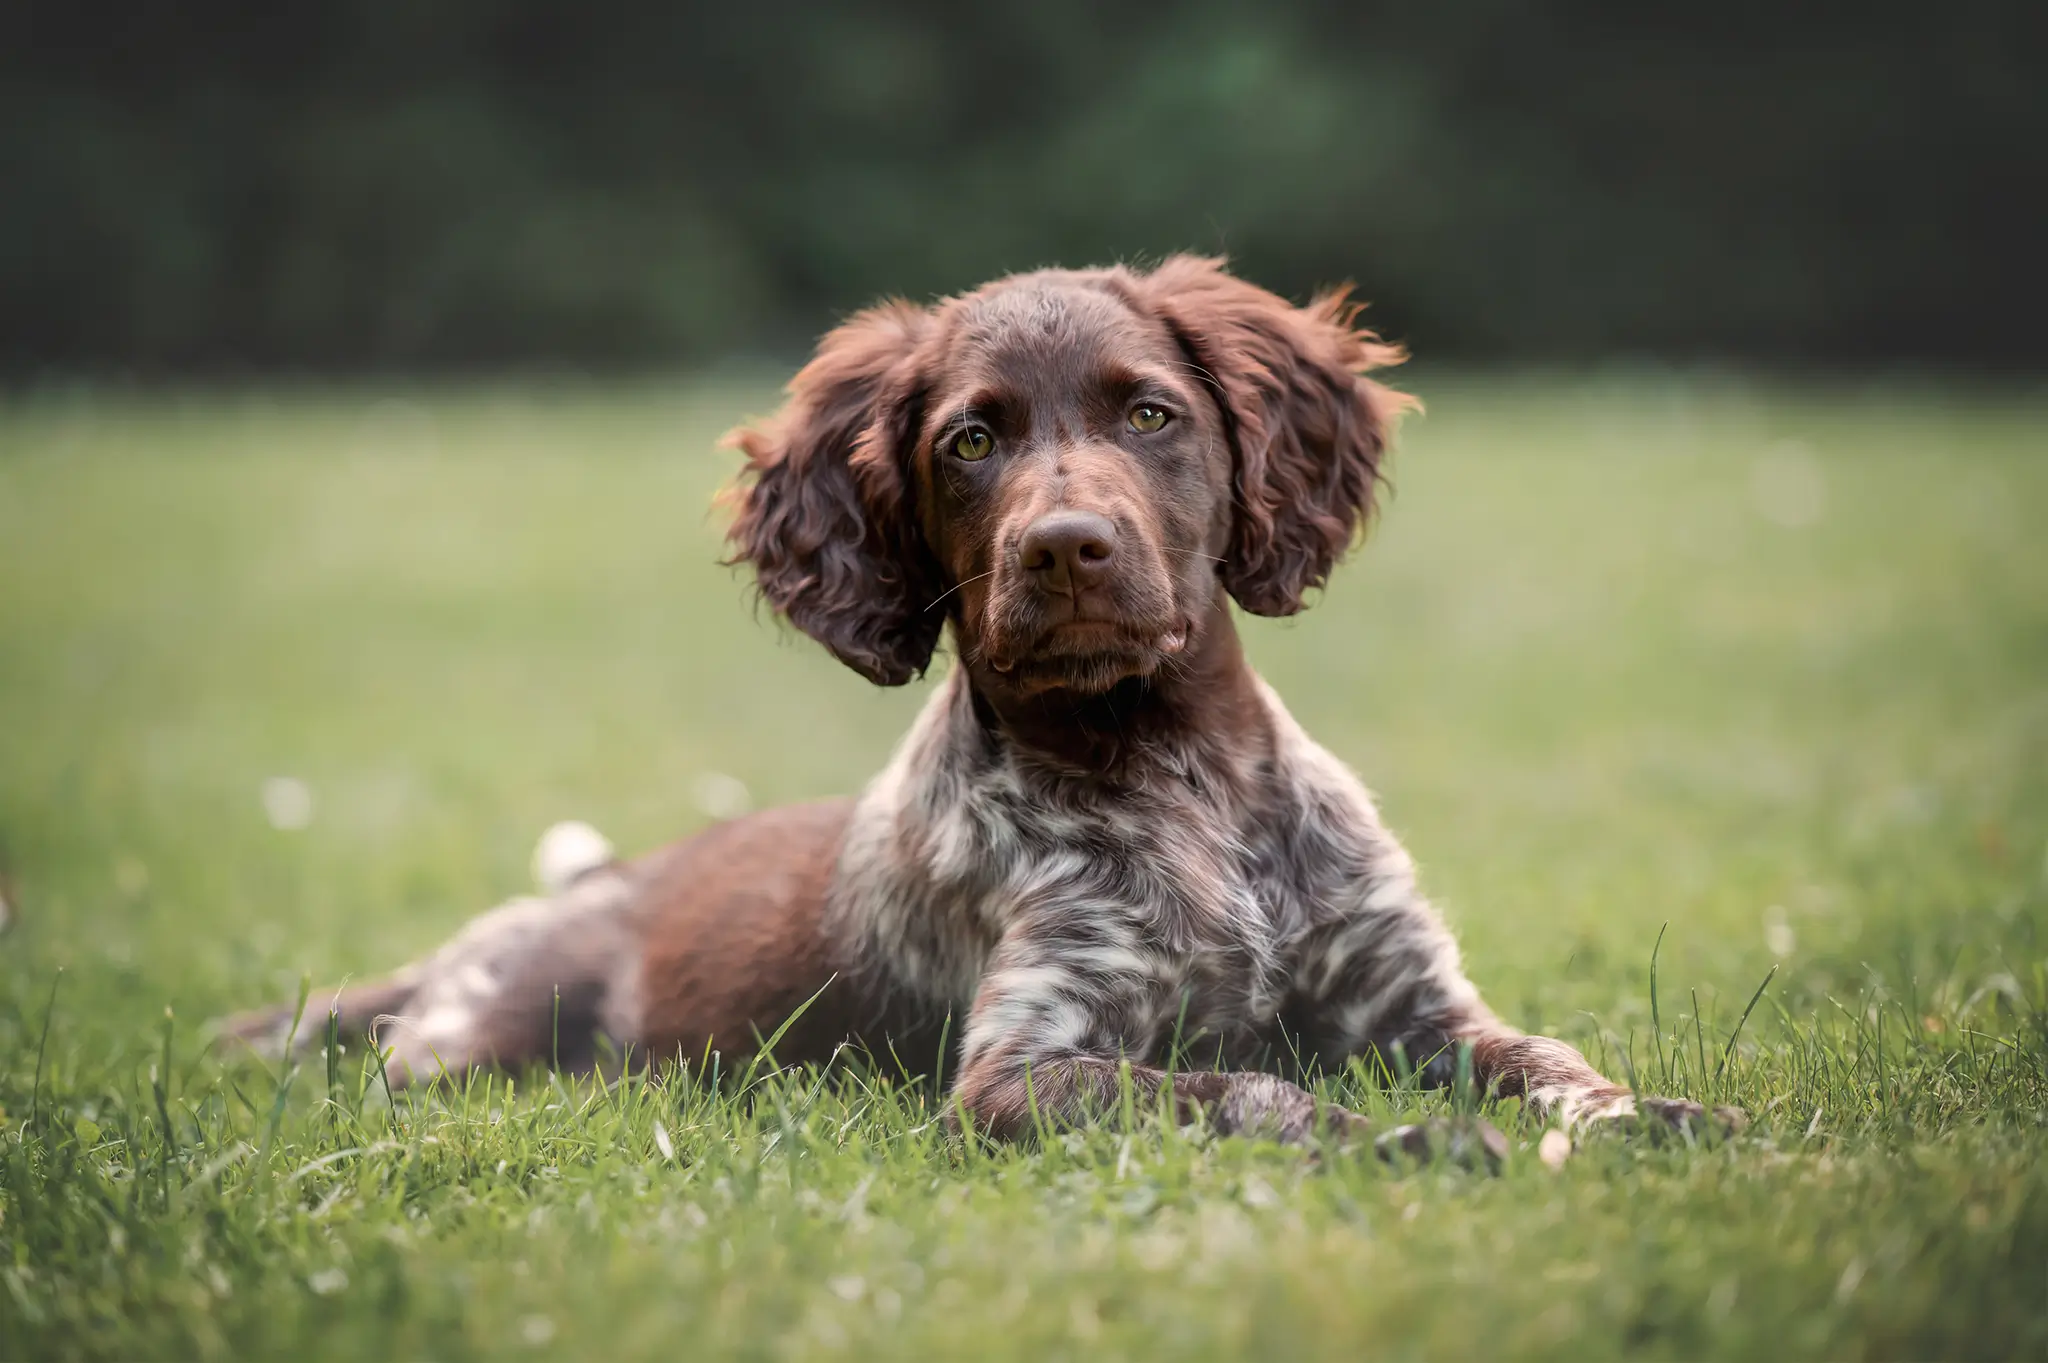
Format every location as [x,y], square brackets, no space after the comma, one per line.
[290,678]
[217,186]
[361,368]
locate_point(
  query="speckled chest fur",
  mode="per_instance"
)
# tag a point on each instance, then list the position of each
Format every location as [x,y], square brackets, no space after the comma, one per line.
[1194,881]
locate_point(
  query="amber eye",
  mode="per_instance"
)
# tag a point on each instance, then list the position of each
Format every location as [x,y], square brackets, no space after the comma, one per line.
[1145,418]
[974,443]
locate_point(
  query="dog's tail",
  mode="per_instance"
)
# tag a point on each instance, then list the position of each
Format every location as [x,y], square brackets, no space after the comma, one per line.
[566,853]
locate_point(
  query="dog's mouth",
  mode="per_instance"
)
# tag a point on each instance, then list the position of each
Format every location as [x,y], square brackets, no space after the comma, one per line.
[1088,656]
[1131,625]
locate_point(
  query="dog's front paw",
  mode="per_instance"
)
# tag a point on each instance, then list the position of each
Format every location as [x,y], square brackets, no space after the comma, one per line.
[1464,1141]
[1683,1114]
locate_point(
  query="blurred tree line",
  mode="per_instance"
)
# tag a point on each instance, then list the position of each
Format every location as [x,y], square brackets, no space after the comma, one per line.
[354,184]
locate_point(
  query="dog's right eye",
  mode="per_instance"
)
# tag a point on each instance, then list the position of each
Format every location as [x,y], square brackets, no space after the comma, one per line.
[974,443]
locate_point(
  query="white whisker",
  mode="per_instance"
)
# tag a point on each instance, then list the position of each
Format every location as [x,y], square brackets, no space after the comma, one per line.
[958,585]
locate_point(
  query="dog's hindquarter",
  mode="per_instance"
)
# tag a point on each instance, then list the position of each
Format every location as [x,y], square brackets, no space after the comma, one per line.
[535,980]
[709,945]
[735,942]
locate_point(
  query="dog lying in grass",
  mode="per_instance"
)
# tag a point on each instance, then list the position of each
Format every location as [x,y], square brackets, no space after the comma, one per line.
[1104,848]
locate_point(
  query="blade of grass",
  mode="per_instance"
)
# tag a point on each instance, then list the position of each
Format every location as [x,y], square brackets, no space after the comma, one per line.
[333,1045]
[1656,1017]
[1699,1037]
[1727,1054]
[767,1048]
[159,1083]
[284,1088]
[35,1100]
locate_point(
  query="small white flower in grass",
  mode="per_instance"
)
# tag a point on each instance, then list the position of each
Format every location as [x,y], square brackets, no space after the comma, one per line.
[1259,1193]
[537,1330]
[1779,938]
[566,851]
[847,1287]
[1554,1149]
[663,1143]
[327,1282]
[721,796]
[287,803]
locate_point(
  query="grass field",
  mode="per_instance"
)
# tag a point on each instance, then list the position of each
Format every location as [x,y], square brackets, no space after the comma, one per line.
[1768,665]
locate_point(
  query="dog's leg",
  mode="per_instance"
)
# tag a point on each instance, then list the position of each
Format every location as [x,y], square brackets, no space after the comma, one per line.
[533,981]
[1558,1083]
[355,1010]
[1386,979]
[1008,1095]
[1061,1017]
[1009,1092]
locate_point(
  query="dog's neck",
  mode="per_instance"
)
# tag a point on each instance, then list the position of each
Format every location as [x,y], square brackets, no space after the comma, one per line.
[1206,703]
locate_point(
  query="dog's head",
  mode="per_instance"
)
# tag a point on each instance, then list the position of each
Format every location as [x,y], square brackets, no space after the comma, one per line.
[1072,466]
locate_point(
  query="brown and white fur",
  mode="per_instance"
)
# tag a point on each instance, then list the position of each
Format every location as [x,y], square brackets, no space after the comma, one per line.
[1105,844]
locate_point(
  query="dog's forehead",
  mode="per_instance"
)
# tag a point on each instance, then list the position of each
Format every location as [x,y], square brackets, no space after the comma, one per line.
[1053,330]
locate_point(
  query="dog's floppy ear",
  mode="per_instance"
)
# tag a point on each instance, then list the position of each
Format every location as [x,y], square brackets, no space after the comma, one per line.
[825,510]
[1307,429]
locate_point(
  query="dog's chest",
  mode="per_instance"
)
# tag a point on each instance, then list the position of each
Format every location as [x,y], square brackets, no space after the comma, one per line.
[1184,892]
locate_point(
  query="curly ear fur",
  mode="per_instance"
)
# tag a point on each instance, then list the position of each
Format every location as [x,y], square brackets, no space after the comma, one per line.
[824,503]
[1307,430]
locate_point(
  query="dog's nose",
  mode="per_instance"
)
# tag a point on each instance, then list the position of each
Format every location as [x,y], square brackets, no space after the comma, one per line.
[1068,550]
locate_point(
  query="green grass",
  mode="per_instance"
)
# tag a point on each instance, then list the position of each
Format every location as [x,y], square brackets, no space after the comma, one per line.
[1598,682]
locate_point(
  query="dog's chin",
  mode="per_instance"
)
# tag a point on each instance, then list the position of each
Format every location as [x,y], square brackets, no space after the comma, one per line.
[1087,657]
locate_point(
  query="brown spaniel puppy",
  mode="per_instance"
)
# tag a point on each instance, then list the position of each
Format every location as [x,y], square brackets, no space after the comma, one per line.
[1105,843]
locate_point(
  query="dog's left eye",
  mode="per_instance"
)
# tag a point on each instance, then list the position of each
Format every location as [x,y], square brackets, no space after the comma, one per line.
[1145,418]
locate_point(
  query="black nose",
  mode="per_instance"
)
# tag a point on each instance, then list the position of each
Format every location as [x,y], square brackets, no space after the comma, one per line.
[1068,550]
